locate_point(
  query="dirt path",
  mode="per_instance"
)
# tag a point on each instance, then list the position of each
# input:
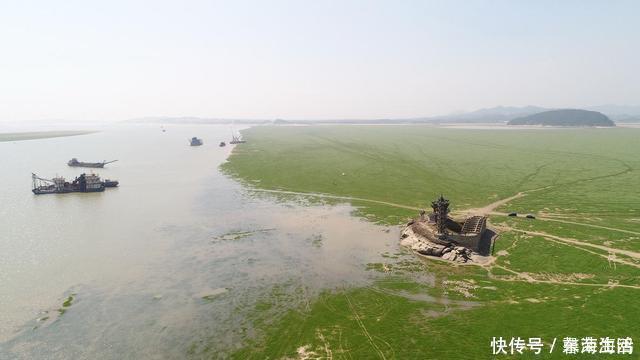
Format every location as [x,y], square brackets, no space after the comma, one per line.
[628,253]
[546,218]
[611,258]
[486,210]
[489,209]
[327,196]
[575,243]
[528,278]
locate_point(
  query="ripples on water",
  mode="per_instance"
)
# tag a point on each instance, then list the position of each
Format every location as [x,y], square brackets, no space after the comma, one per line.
[178,256]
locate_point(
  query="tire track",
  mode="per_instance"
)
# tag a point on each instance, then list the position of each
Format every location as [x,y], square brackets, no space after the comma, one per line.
[364,329]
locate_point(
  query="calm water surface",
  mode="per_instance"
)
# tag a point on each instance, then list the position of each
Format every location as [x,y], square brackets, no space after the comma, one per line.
[170,262]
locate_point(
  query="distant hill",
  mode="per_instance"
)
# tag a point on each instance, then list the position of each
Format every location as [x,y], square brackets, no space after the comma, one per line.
[195,120]
[565,117]
[619,113]
[498,114]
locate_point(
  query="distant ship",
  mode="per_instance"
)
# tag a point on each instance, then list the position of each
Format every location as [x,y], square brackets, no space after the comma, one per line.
[82,183]
[75,163]
[236,140]
[222,144]
[195,141]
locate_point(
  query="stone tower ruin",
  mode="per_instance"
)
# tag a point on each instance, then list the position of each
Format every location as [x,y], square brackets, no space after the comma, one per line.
[441,212]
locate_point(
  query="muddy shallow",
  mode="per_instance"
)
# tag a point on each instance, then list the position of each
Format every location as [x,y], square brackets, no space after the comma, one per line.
[178,255]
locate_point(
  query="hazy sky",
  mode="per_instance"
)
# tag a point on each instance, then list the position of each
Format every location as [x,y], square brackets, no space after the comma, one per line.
[113,60]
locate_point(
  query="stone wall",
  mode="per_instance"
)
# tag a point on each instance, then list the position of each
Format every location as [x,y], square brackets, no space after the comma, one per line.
[470,241]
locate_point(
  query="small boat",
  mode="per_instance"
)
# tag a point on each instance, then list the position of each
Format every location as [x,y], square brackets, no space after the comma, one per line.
[222,144]
[195,141]
[111,183]
[75,163]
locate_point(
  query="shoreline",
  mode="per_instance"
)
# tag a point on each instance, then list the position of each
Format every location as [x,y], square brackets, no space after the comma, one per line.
[35,135]
[362,163]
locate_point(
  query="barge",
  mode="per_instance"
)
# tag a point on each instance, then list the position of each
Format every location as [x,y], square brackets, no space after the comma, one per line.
[75,163]
[59,185]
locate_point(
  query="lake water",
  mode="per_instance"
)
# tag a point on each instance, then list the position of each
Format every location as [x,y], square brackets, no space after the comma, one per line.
[170,262]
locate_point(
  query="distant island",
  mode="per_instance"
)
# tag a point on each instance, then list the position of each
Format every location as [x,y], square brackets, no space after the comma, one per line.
[565,117]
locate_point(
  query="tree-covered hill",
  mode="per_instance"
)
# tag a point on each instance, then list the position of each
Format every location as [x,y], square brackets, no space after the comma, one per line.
[565,117]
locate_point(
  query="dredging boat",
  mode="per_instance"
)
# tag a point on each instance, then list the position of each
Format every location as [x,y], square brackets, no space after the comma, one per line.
[236,140]
[195,141]
[75,163]
[82,183]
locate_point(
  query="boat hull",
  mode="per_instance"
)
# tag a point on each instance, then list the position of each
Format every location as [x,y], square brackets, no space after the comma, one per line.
[87,165]
[111,183]
[44,191]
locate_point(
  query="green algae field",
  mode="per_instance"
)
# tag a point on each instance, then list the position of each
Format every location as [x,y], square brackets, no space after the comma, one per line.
[573,271]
